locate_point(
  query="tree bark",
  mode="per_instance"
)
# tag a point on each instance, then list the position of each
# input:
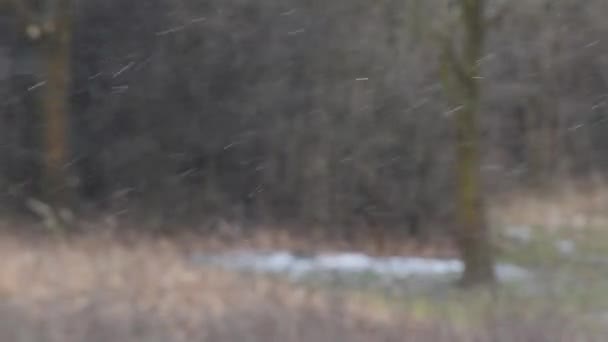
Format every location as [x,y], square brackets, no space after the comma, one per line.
[462,82]
[55,108]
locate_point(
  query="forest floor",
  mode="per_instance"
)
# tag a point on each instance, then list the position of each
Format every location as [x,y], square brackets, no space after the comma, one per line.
[98,287]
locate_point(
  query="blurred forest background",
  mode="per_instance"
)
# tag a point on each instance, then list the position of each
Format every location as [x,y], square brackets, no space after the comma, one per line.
[329,113]
[275,135]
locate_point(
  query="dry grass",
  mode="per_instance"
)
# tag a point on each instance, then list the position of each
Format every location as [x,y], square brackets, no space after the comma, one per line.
[367,240]
[100,288]
[95,286]
[571,206]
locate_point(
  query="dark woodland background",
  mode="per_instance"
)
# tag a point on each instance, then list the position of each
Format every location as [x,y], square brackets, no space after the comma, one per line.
[328,113]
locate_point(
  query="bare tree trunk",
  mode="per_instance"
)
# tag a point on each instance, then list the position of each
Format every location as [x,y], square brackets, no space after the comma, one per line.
[55,109]
[461,80]
[47,28]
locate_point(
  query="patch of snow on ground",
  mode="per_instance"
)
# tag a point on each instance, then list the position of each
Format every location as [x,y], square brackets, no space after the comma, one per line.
[521,234]
[283,262]
[565,247]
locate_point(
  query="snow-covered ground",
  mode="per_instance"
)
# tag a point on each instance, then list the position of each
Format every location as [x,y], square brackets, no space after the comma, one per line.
[297,267]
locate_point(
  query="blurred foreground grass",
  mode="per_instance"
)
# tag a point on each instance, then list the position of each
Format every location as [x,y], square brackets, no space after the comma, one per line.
[100,288]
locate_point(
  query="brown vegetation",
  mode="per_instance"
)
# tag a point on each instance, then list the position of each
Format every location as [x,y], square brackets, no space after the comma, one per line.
[99,289]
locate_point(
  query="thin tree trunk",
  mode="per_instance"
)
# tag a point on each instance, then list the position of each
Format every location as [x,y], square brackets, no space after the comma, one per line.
[55,109]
